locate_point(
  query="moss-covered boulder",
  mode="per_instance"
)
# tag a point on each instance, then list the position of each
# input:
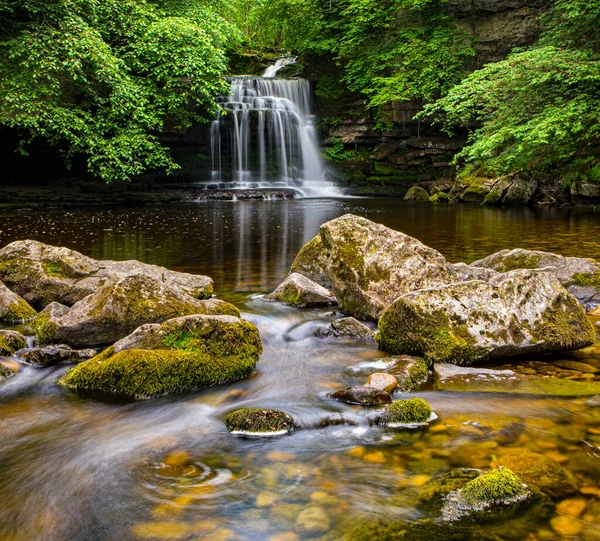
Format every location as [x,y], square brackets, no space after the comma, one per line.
[179,355]
[580,276]
[313,262]
[349,327]
[5,372]
[117,308]
[540,471]
[411,411]
[434,492]
[259,421]
[416,193]
[410,372]
[10,342]
[504,190]
[299,290]
[12,307]
[523,311]
[42,274]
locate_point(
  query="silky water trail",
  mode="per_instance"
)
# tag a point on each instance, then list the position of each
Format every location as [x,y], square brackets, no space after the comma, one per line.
[87,468]
[264,137]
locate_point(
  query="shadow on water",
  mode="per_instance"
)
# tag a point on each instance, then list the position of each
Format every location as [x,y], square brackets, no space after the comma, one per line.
[76,468]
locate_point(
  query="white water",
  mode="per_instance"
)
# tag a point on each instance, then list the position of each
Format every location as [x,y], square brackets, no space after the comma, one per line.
[271,71]
[265,138]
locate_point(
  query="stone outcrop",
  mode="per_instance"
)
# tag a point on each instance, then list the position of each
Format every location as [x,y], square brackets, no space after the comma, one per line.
[117,308]
[12,307]
[299,290]
[179,355]
[505,190]
[522,311]
[42,274]
[580,276]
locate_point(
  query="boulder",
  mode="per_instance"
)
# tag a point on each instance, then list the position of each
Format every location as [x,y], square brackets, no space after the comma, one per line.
[42,274]
[313,262]
[259,421]
[504,190]
[351,327]
[10,342]
[382,382]
[363,396]
[406,412]
[117,308]
[299,290]
[179,355]
[585,193]
[12,307]
[371,265]
[522,311]
[450,377]
[416,193]
[580,276]
[410,372]
[312,520]
[5,372]
[540,471]
[52,355]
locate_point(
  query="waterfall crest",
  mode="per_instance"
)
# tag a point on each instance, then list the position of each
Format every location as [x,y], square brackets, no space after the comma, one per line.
[265,138]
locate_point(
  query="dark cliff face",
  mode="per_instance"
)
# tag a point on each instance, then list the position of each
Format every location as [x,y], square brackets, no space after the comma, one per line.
[388,162]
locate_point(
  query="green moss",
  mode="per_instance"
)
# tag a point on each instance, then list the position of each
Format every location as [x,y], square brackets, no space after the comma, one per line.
[258,420]
[416,193]
[494,487]
[413,410]
[517,261]
[418,372]
[187,359]
[57,267]
[10,342]
[44,329]
[565,325]
[202,293]
[440,197]
[388,530]
[19,311]
[5,372]
[586,279]
[434,492]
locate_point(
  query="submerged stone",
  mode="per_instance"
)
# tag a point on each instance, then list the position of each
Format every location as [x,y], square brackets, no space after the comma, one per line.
[259,421]
[118,308]
[179,355]
[522,311]
[312,520]
[11,342]
[299,290]
[406,412]
[363,396]
[12,307]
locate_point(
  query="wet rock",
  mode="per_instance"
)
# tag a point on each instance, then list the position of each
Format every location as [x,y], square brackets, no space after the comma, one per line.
[434,492]
[349,326]
[41,274]
[410,372]
[313,520]
[5,372]
[539,470]
[566,526]
[118,308]
[12,307]
[10,342]
[363,396]
[504,190]
[178,355]
[573,507]
[585,193]
[522,311]
[51,355]
[313,262]
[382,382]
[580,276]
[299,290]
[409,411]
[259,421]
[576,365]
[416,193]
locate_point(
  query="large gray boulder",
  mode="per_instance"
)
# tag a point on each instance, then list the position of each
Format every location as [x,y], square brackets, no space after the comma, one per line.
[585,193]
[580,276]
[42,274]
[117,308]
[299,290]
[12,307]
[370,265]
[522,311]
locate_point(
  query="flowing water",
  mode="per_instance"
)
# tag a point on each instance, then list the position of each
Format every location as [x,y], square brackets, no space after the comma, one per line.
[265,137]
[75,468]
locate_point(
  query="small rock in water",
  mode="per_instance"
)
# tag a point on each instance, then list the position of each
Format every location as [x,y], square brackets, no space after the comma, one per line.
[259,421]
[363,396]
[382,382]
[566,526]
[572,507]
[52,355]
[299,290]
[349,326]
[313,520]
[11,341]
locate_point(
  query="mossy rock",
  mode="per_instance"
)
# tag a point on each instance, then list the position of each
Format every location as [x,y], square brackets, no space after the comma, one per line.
[411,372]
[312,261]
[406,412]
[440,197]
[11,341]
[298,290]
[5,372]
[179,355]
[541,471]
[416,193]
[13,308]
[389,530]
[259,421]
[495,487]
[434,492]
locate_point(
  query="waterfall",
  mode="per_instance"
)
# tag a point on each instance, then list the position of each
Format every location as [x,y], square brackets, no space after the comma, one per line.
[265,136]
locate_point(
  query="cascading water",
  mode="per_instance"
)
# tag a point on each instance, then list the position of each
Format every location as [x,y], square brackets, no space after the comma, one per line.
[265,137]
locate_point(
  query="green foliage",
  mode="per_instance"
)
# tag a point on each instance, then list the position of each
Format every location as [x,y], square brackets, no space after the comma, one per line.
[399,49]
[537,110]
[102,78]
